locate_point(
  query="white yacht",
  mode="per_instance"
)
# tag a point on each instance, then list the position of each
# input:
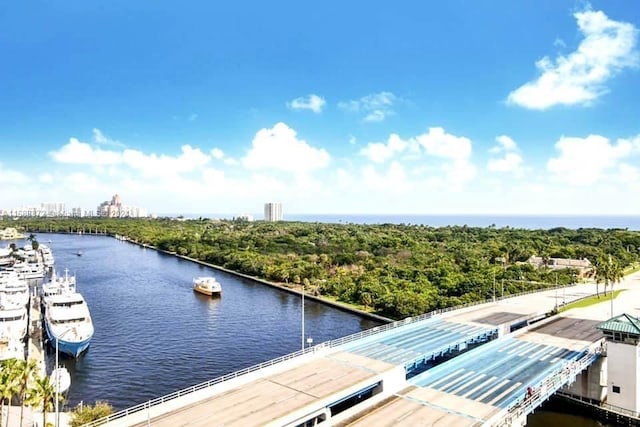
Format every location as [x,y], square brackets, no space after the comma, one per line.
[59,284]
[13,329]
[30,270]
[68,322]
[13,290]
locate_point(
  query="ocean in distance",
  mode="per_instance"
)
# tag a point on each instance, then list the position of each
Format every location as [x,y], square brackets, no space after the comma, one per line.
[532,222]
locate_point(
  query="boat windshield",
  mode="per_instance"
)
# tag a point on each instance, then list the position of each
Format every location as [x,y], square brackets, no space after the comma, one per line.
[74,320]
[10,319]
[67,303]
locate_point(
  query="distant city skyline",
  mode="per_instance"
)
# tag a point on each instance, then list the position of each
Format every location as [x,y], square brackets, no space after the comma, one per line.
[426,108]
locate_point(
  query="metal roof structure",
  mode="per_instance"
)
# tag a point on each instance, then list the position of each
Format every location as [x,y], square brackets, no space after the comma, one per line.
[624,323]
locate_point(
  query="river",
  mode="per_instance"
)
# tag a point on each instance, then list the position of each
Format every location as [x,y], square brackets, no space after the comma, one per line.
[154,335]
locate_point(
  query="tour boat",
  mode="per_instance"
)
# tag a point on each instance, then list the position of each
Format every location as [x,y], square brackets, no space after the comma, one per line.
[207,286]
[68,322]
[60,379]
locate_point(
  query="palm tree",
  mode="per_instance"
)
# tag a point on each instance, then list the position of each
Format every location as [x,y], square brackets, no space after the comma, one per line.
[9,384]
[26,369]
[608,272]
[615,273]
[42,392]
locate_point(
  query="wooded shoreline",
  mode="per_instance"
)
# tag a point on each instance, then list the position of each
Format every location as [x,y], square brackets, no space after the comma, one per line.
[391,270]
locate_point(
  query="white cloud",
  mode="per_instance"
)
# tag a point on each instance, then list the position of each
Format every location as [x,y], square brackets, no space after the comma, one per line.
[456,169]
[311,102]
[279,148]
[584,161]
[99,137]
[504,143]
[217,153]
[441,144]
[45,178]
[511,161]
[12,177]
[578,78]
[189,160]
[102,139]
[376,106]
[193,117]
[352,140]
[379,152]
[375,116]
[394,179]
[76,152]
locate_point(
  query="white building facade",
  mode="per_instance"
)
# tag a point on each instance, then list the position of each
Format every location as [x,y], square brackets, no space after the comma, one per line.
[273,211]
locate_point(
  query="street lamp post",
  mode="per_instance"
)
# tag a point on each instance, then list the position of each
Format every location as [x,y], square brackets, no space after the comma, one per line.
[302,310]
[58,378]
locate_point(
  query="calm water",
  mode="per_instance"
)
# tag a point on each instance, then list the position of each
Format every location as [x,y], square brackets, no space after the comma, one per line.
[154,335]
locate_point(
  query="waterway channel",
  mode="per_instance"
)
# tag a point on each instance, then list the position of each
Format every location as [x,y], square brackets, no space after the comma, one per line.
[154,335]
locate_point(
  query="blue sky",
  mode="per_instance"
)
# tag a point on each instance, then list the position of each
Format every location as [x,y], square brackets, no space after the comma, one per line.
[332,107]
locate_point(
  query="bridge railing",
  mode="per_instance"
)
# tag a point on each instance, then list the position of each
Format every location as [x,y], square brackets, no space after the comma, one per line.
[328,344]
[546,388]
[607,406]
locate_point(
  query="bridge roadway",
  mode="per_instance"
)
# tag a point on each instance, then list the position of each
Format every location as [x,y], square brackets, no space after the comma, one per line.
[373,378]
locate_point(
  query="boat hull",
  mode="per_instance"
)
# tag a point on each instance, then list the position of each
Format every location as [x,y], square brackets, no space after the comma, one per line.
[207,292]
[72,348]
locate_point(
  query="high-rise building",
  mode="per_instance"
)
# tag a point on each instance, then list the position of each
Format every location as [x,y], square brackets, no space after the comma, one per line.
[273,211]
[115,209]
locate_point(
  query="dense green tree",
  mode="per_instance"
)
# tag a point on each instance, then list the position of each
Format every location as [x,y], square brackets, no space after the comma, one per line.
[395,270]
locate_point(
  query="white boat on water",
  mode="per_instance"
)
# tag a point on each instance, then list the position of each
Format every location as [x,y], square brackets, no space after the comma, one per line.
[60,379]
[13,329]
[207,286]
[59,284]
[67,319]
[30,270]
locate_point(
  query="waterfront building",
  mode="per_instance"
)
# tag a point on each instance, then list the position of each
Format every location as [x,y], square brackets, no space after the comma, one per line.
[623,362]
[582,266]
[273,211]
[10,233]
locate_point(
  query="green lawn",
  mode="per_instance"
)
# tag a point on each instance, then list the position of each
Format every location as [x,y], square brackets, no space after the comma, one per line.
[586,302]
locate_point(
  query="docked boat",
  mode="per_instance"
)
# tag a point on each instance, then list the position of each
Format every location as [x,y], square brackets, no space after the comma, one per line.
[207,286]
[47,256]
[59,284]
[60,379]
[13,329]
[68,322]
[30,270]
[15,292]
[6,257]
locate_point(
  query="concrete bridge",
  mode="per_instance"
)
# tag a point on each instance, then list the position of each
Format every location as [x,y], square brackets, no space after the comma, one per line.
[486,364]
